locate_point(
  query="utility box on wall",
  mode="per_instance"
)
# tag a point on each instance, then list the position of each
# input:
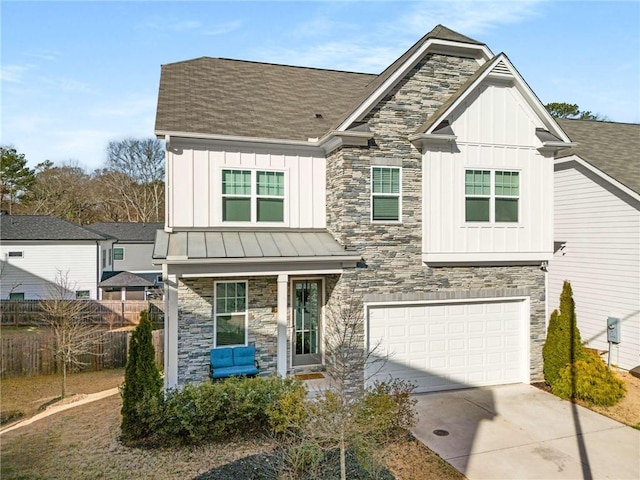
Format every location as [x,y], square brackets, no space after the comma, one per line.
[613,330]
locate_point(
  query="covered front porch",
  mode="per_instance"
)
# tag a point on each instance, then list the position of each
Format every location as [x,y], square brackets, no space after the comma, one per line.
[266,288]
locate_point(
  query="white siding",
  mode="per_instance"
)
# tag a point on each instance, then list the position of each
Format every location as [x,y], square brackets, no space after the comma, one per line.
[137,258]
[36,271]
[601,260]
[495,130]
[194,185]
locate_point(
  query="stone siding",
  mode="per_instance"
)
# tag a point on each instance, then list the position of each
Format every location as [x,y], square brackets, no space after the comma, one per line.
[196,324]
[392,252]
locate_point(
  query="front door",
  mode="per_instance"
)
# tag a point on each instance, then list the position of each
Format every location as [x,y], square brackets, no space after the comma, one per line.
[307,298]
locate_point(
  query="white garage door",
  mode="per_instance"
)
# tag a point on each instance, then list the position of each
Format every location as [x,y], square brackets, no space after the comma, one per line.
[447,346]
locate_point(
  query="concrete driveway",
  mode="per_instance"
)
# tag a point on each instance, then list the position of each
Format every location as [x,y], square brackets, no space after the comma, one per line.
[519,431]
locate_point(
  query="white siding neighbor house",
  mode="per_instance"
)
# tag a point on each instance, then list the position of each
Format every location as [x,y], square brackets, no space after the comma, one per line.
[597,233]
[419,201]
[35,249]
[128,271]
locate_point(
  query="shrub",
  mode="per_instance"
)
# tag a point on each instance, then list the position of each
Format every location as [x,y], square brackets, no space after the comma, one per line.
[590,379]
[236,406]
[142,387]
[563,345]
[387,408]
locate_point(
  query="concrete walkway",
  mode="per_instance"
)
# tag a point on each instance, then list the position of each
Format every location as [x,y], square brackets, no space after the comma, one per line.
[521,432]
[59,408]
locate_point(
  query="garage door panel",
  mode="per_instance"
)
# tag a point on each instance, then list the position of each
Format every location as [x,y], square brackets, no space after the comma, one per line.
[440,347]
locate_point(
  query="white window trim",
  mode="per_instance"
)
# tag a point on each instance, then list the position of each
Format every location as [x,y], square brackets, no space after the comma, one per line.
[254,198]
[114,254]
[83,298]
[399,195]
[492,197]
[215,313]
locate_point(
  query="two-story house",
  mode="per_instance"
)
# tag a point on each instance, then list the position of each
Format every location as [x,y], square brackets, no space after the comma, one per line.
[418,201]
[36,249]
[128,271]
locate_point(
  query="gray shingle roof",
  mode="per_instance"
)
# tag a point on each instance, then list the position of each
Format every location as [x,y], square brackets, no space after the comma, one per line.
[611,147]
[232,97]
[128,231]
[240,98]
[274,244]
[42,227]
[124,279]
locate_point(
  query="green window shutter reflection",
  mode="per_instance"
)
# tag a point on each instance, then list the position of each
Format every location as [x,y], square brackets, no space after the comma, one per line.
[386,180]
[477,182]
[236,209]
[506,210]
[270,210]
[270,183]
[236,182]
[385,208]
[507,184]
[477,209]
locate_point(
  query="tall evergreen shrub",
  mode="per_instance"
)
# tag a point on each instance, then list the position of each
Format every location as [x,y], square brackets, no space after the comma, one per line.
[142,388]
[563,345]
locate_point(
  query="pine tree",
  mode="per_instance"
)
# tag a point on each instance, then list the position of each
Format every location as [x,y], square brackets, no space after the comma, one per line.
[142,382]
[563,345]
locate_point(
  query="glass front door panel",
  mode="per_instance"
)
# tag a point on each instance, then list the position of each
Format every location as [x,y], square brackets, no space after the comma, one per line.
[307,302]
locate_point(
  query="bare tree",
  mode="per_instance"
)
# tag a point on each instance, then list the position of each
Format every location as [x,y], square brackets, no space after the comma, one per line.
[65,192]
[135,173]
[67,318]
[345,415]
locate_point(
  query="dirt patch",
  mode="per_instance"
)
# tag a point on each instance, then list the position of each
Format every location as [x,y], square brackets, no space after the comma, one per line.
[30,394]
[626,411]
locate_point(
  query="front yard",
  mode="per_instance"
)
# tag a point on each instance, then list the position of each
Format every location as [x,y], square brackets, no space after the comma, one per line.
[83,443]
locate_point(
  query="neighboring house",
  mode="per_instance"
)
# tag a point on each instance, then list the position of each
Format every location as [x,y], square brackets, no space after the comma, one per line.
[128,271]
[419,201]
[35,249]
[597,233]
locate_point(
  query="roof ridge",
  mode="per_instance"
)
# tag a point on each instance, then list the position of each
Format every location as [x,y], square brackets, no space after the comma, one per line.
[272,64]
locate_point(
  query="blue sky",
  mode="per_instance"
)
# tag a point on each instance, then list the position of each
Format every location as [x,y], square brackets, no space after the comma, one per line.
[75,75]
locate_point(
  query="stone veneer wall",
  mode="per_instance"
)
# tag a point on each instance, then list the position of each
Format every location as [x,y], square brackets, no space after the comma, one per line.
[195,325]
[392,253]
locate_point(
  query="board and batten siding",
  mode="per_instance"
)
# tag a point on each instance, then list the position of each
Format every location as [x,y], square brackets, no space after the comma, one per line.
[601,259]
[35,273]
[495,130]
[194,181]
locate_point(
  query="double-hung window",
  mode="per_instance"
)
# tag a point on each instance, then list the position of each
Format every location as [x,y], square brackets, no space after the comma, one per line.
[252,196]
[385,194]
[118,253]
[230,313]
[491,196]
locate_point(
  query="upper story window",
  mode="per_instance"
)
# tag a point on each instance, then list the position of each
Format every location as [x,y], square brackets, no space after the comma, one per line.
[104,258]
[118,253]
[16,254]
[385,194]
[491,196]
[82,294]
[252,196]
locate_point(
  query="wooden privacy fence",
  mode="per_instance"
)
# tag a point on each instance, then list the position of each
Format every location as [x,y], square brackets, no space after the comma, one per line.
[99,312]
[29,355]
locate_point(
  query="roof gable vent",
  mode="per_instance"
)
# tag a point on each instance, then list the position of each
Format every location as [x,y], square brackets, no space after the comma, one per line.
[501,69]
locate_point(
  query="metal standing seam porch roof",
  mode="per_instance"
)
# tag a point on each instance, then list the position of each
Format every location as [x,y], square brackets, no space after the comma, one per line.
[249,245]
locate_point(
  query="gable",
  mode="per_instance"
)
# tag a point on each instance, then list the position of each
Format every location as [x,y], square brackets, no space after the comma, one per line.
[495,113]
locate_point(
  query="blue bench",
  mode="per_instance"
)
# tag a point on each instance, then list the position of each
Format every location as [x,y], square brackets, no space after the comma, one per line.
[233,361]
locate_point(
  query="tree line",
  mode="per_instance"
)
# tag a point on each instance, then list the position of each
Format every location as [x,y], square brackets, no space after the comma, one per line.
[129,187]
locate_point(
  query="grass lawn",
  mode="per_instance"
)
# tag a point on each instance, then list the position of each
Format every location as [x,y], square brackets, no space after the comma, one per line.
[82,443]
